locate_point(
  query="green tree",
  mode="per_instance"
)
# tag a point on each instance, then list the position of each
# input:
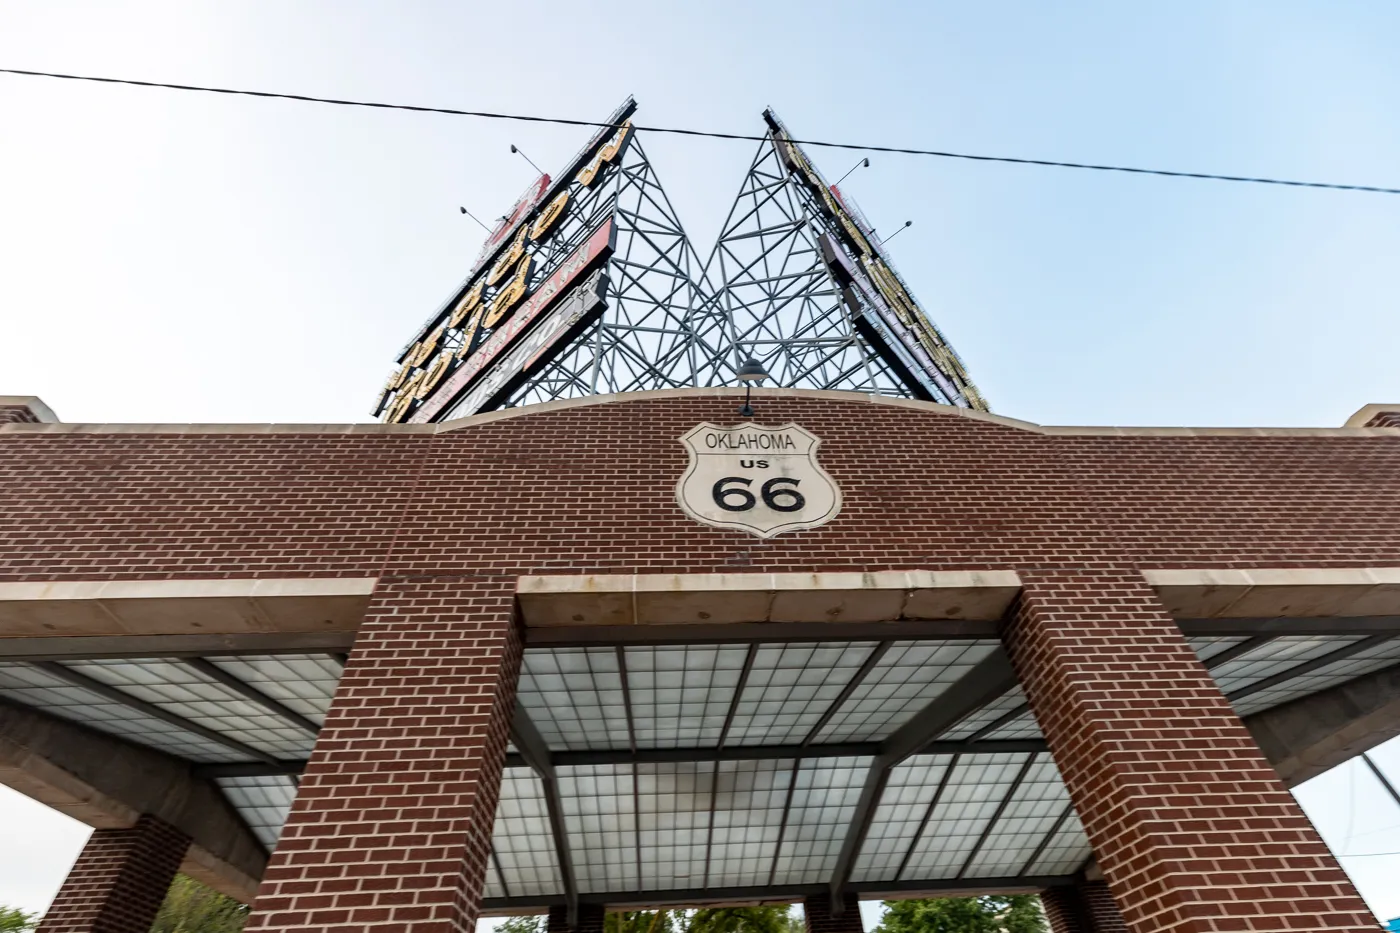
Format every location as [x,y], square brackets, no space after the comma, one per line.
[14,920]
[1016,913]
[741,920]
[190,907]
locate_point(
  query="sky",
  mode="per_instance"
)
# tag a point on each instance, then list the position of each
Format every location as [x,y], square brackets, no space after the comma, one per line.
[175,257]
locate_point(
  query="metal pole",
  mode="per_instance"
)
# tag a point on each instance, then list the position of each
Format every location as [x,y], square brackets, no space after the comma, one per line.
[1390,788]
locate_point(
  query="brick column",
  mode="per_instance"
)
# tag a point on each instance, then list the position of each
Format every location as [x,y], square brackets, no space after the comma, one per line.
[816,908]
[1086,907]
[119,880]
[1192,828]
[392,823]
[590,919]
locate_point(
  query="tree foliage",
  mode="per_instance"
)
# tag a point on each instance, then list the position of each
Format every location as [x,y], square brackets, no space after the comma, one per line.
[14,920]
[710,920]
[190,907]
[1016,913]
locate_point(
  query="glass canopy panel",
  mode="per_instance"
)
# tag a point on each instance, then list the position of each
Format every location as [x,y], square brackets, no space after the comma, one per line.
[673,819]
[180,689]
[897,819]
[574,697]
[32,687]
[790,687]
[492,886]
[1275,657]
[1033,812]
[681,695]
[904,681]
[521,837]
[987,715]
[600,818]
[1378,657]
[302,683]
[749,799]
[977,787]
[263,802]
[1208,646]
[1067,851]
[823,804]
[1022,727]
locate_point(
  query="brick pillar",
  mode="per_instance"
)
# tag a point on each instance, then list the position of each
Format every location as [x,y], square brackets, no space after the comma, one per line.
[392,823]
[1192,828]
[1086,907]
[119,880]
[816,908]
[590,919]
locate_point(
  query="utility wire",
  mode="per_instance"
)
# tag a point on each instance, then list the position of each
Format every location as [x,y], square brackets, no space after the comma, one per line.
[526,118]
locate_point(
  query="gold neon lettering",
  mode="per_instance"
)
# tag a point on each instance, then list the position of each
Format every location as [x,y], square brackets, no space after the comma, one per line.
[549,219]
[465,307]
[509,296]
[508,261]
[433,374]
[469,331]
[611,148]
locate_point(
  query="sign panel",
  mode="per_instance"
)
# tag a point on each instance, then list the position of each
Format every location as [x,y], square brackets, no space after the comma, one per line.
[588,253]
[765,481]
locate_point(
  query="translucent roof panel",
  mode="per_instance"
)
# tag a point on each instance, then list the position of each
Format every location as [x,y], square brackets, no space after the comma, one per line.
[303,683]
[33,687]
[790,687]
[673,821]
[1375,658]
[823,803]
[1023,726]
[1274,657]
[263,802]
[1208,646]
[907,677]
[1034,809]
[987,715]
[600,818]
[1067,850]
[897,819]
[681,695]
[521,837]
[976,788]
[574,697]
[492,886]
[180,689]
[749,799]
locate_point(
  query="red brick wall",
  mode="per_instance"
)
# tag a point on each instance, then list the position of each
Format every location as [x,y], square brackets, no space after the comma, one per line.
[1086,907]
[392,824]
[16,414]
[820,919]
[591,489]
[1190,824]
[119,880]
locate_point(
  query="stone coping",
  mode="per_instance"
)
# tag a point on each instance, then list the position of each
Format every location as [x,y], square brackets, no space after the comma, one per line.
[1351,430]
[1278,592]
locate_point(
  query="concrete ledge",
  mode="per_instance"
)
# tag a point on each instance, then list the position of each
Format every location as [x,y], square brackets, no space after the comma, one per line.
[1368,412]
[35,405]
[183,607]
[718,393]
[732,598]
[1272,593]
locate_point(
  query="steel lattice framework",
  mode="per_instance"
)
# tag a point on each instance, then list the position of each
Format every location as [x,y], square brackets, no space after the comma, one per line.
[796,280]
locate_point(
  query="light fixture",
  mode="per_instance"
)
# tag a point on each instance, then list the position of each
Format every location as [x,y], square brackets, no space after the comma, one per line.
[907,224]
[750,371]
[863,163]
[522,155]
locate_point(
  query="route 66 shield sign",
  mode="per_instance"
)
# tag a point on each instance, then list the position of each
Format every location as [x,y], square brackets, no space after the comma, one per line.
[765,481]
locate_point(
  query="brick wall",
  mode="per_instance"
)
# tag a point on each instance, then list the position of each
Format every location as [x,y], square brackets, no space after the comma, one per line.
[1190,824]
[119,880]
[819,917]
[1085,907]
[392,824]
[591,489]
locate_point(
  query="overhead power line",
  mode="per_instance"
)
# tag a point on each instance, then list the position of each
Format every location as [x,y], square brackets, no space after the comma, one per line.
[563,121]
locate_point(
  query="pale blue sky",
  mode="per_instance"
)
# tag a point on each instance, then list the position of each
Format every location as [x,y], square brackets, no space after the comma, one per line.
[175,257]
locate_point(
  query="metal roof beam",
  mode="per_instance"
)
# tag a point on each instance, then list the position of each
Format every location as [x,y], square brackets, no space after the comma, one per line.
[738,633]
[1287,625]
[107,691]
[1307,667]
[253,695]
[990,679]
[536,754]
[103,647]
